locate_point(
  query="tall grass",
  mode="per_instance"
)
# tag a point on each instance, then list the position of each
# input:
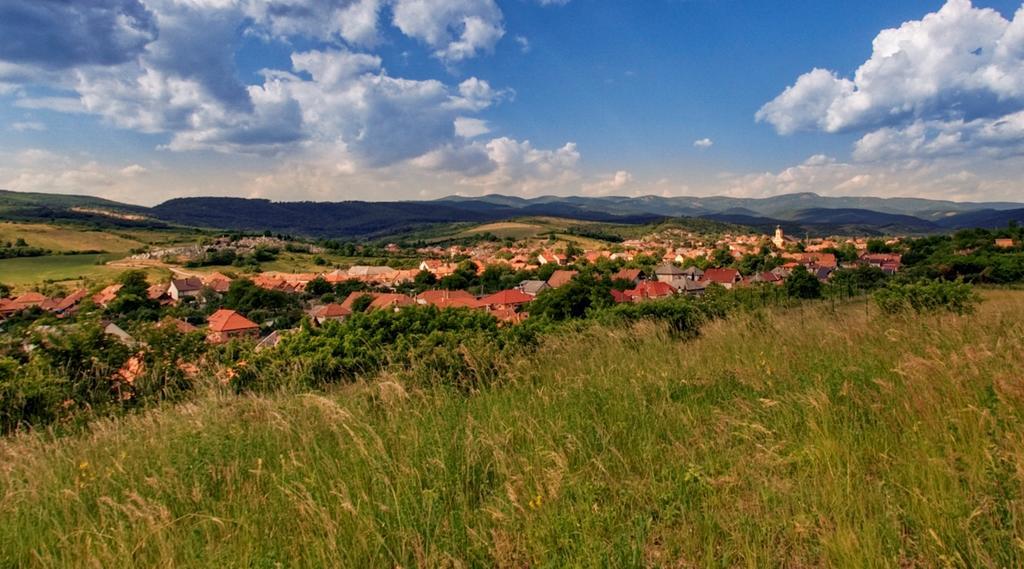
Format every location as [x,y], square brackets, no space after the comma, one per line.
[794,438]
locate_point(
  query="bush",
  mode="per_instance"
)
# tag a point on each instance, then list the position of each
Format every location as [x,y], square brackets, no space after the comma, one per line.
[927,297]
[802,284]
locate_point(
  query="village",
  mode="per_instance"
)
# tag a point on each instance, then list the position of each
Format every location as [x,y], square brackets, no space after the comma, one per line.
[658,266]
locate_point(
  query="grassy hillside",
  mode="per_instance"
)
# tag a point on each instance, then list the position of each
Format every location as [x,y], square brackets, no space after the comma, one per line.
[66,238]
[800,438]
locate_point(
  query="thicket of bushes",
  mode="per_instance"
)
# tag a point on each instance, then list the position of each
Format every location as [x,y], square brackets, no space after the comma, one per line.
[72,370]
[927,297]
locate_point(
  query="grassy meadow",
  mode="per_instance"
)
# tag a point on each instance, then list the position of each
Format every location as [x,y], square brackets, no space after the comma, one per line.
[807,437]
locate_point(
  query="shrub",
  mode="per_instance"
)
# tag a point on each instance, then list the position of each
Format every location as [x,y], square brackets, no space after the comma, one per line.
[927,297]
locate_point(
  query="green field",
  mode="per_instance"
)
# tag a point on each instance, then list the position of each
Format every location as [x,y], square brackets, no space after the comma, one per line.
[799,438]
[64,238]
[26,271]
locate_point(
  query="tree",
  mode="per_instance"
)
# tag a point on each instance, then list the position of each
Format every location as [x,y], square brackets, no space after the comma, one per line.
[319,287]
[5,290]
[362,303]
[572,300]
[424,279]
[722,258]
[132,301]
[802,284]
[879,246]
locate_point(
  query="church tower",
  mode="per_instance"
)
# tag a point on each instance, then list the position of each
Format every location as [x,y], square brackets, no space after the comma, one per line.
[779,240]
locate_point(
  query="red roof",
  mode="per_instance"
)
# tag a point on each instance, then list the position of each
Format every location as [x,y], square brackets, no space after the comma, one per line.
[509,297]
[650,289]
[225,320]
[444,297]
[353,296]
[627,275]
[390,299]
[561,277]
[71,300]
[722,276]
[107,295]
[332,310]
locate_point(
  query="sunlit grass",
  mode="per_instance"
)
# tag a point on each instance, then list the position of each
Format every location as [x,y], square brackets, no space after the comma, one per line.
[799,438]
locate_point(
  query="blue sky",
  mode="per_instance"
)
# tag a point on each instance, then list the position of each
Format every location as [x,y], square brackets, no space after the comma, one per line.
[143,100]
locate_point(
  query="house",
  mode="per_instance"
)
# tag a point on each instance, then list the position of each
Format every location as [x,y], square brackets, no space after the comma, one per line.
[106,296]
[766,277]
[814,260]
[561,278]
[632,275]
[439,269]
[336,276]
[272,340]
[158,292]
[693,273]
[649,290]
[332,311]
[188,287]
[1005,243]
[226,325]
[217,282]
[447,299]
[889,262]
[724,277]
[533,287]
[391,301]
[67,305]
[671,275]
[111,329]
[507,315]
[176,324]
[21,302]
[380,300]
[546,257]
[694,288]
[512,298]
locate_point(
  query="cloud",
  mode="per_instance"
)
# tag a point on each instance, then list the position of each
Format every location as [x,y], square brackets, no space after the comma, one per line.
[168,67]
[951,178]
[952,82]
[133,170]
[354,21]
[524,44]
[455,29]
[467,127]
[28,126]
[60,34]
[703,143]
[615,184]
[59,104]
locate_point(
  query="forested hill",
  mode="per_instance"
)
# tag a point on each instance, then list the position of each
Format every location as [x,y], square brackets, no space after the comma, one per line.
[797,213]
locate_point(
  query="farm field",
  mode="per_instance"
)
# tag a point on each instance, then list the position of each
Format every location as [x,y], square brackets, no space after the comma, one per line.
[62,269]
[62,238]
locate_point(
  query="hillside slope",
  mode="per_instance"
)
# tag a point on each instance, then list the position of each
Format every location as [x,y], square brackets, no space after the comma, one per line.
[807,438]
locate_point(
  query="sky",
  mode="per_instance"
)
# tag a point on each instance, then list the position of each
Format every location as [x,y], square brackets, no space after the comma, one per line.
[146,100]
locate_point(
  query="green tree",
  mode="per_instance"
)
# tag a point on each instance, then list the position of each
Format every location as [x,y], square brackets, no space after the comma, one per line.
[802,284]
[362,303]
[319,287]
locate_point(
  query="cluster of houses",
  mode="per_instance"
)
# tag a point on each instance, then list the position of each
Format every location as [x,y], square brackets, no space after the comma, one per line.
[508,306]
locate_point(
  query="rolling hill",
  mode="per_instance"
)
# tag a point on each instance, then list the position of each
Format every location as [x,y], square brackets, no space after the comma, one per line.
[797,213]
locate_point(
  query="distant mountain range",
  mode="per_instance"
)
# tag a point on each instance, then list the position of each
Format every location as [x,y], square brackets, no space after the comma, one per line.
[797,213]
